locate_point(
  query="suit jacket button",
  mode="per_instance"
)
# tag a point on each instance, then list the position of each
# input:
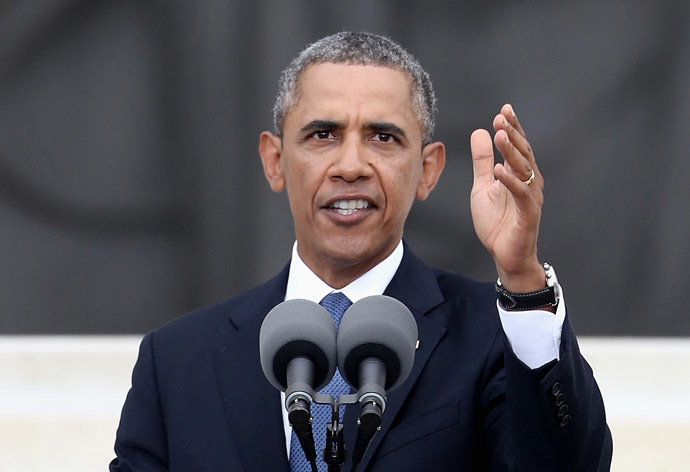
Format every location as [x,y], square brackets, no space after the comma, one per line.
[562,411]
[560,399]
[555,389]
[565,421]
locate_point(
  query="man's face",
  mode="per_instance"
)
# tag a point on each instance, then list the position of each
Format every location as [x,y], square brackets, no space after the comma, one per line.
[352,162]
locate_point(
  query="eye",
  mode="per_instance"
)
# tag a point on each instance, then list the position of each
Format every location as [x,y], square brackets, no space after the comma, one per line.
[323,134]
[383,137]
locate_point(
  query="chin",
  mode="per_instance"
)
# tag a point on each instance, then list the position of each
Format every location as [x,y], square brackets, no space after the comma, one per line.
[351,253]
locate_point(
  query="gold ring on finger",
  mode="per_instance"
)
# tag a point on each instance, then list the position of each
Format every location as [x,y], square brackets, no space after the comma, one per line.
[531,178]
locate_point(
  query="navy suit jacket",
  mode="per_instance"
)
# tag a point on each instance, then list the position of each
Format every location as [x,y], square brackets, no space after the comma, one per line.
[200,402]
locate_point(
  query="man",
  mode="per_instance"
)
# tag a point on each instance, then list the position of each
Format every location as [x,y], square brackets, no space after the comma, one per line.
[488,391]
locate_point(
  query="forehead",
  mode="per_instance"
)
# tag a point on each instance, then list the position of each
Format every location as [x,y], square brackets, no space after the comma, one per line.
[343,89]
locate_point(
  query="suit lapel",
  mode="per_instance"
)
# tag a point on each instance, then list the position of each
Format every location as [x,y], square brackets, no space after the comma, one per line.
[252,405]
[416,286]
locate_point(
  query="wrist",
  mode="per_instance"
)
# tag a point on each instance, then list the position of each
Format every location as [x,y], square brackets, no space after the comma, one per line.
[546,297]
[524,281]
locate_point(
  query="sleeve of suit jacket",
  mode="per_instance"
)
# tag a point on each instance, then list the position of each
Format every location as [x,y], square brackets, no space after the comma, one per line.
[141,444]
[557,412]
[470,404]
[199,400]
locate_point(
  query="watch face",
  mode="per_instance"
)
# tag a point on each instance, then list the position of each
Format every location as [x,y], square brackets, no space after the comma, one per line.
[552,281]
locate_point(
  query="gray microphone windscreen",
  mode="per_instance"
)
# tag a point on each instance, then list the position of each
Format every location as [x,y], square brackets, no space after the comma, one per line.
[297,328]
[377,326]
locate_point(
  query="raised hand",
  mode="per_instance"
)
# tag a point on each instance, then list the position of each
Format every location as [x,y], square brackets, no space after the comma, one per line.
[506,202]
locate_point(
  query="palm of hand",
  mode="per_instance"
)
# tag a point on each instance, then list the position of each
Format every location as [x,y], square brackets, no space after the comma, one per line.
[506,209]
[505,231]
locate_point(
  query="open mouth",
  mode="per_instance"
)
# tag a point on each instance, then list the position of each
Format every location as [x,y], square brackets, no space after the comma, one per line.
[348,207]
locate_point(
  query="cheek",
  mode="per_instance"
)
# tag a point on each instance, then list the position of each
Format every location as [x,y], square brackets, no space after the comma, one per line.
[402,186]
[302,181]
[407,176]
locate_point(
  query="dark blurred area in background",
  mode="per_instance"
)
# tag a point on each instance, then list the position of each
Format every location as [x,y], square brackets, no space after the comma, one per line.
[131,190]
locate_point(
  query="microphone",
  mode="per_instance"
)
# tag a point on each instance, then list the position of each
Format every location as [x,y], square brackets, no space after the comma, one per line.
[375,351]
[297,348]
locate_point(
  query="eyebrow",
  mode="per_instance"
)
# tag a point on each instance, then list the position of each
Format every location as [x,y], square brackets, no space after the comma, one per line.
[316,125]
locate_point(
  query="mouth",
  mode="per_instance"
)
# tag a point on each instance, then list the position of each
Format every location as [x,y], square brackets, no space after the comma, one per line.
[348,207]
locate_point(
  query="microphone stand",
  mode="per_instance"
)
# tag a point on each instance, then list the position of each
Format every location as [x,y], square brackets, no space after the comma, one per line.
[369,422]
[334,451]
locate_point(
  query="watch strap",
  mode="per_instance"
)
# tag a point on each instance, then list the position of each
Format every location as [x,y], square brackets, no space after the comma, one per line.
[547,296]
[526,301]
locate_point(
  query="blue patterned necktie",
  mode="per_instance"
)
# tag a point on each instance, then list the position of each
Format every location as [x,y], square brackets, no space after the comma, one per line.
[336,303]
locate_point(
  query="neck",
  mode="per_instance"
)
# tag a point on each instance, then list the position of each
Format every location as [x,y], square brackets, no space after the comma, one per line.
[338,273]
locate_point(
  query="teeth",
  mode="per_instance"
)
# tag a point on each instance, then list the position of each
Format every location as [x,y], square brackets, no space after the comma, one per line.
[348,207]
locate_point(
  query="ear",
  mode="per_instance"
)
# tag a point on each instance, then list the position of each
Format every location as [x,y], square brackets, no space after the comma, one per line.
[433,161]
[271,150]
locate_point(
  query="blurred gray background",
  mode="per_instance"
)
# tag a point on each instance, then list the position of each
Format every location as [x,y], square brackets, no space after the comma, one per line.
[131,190]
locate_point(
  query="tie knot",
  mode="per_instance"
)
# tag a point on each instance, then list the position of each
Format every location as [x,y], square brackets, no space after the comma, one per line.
[336,303]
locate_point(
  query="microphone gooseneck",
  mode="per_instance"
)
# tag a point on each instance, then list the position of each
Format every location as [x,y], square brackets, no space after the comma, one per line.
[375,351]
[297,352]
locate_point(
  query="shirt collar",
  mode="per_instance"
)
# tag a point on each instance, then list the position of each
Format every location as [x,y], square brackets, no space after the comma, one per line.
[303,283]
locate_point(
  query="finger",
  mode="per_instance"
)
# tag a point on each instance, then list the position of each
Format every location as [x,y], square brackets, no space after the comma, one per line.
[523,195]
[518,140]
[482,157]
[508,111]
[515,161]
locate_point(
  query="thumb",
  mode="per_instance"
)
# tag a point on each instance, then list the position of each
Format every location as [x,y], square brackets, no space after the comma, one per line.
[482,150]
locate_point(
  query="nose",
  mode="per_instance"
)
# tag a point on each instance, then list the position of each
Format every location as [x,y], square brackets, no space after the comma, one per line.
[352,161]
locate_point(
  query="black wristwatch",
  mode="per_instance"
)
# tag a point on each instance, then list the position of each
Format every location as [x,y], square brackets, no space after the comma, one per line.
[548,296]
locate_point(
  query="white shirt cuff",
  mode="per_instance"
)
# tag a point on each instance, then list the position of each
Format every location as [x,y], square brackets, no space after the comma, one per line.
[534,335]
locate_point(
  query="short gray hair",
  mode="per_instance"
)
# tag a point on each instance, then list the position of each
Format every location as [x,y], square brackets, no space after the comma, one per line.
[359,49]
